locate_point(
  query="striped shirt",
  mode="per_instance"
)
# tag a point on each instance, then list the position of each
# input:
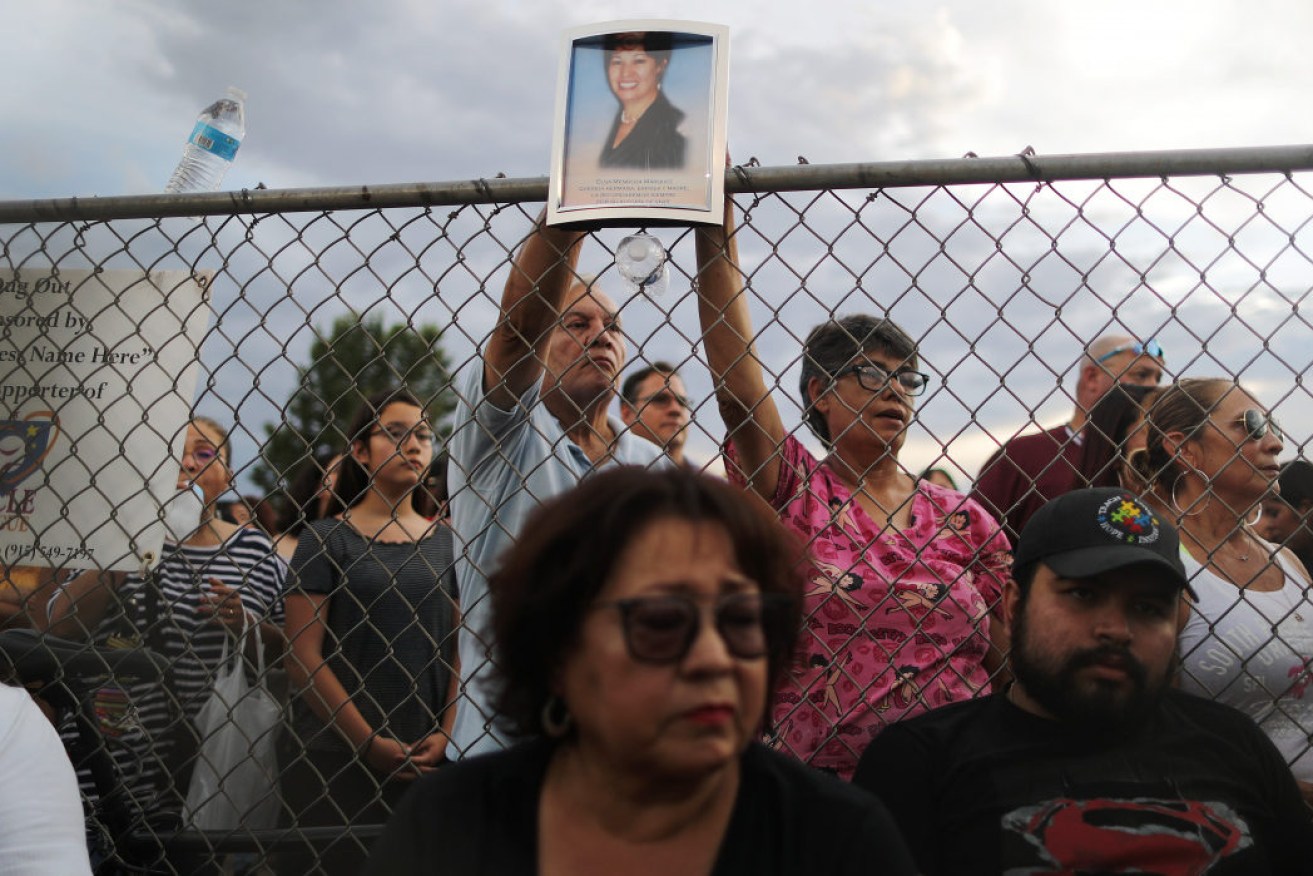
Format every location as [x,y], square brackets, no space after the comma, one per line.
[137,720]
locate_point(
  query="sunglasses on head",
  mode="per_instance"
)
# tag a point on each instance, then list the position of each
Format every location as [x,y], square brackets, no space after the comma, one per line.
[662,629]
[875,378]
[1257,424]
[1151,346]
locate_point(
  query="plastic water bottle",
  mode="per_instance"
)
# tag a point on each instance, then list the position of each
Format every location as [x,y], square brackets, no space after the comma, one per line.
[641,259]
[212,146]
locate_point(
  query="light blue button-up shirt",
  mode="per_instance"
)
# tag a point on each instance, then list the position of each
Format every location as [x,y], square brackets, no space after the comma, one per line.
[503,465]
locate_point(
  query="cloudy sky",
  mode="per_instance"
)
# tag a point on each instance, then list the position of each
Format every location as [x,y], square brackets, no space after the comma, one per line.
[100,97]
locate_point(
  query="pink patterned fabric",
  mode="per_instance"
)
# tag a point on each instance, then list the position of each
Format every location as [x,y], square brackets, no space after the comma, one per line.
[896,622]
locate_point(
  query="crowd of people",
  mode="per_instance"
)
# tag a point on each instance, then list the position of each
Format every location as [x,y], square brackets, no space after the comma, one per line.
[561,648]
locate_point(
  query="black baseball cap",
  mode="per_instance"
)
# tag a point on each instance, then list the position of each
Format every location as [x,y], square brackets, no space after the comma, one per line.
[1089,532]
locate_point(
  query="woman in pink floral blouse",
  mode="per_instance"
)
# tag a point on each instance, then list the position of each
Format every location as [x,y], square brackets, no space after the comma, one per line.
[905,575]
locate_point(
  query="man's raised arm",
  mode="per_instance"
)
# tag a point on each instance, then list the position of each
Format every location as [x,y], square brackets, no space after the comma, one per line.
[752,421]
[543,271]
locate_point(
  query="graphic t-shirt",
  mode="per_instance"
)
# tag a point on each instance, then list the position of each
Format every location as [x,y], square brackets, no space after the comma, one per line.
[1253,650]
[985,787]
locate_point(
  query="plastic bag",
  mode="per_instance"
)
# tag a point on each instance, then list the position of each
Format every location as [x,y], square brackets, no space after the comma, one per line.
[234,783]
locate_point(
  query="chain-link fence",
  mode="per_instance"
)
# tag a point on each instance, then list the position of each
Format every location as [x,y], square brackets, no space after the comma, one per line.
[1001,271]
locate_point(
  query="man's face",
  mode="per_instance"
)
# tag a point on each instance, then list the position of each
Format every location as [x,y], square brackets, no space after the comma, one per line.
[586,351]
[660,411]
[1132,369]
[1094,652]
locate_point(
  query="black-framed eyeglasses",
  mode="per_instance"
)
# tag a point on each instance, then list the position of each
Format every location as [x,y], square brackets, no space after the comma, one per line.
[1257,424]
[1151,346]
[663,398]
[875,378]
[661,629]
[400,436]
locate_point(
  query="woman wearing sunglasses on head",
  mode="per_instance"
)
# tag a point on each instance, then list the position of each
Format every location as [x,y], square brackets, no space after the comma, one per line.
[1211,458]
[904,574]
[641,620]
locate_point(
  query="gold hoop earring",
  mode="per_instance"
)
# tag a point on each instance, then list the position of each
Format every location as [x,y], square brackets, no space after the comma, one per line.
[1176,505]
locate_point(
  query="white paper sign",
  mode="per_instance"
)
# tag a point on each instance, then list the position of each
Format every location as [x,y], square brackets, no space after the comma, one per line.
[97,374]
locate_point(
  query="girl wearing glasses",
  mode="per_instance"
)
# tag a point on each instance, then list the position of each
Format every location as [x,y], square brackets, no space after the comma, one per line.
[371,615]
[641,621]
[217,580]
[1211,458]
[879,538]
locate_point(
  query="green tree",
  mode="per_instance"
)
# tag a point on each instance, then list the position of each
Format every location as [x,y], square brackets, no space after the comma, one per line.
[355,360]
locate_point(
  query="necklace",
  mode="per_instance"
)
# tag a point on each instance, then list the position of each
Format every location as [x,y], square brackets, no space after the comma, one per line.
[624,118]
[1244,558]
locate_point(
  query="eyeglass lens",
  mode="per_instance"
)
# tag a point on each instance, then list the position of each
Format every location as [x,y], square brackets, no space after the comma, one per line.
[662,629]
[875,378]
[400,436]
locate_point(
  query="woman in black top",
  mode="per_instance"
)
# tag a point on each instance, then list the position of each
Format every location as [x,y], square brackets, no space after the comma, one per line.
[645,133]
[371,620]
[641,621]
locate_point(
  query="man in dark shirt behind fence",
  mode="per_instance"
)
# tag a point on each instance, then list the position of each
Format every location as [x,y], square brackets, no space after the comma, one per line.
[1029,470]
[1090,762]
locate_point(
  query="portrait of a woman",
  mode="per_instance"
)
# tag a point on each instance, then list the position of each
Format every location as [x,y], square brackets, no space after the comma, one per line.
[645,133]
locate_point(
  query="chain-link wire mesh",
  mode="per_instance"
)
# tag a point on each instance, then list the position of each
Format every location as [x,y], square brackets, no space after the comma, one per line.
[999,271]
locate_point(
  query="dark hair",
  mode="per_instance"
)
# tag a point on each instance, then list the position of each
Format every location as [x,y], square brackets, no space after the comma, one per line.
[265,512]
[629,391]
[1024,576]
[1296,481]
[925,475]
[1183,407]
[352,479]
[568,547]
[301,502]
[430,499]
[656,43]
[833,344]
[1106,429]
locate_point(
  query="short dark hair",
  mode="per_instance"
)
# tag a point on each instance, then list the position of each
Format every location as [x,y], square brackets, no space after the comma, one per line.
[1024,576]
[1296,481]
[432,495]
[925,475]
[656,43]
[568,547]
[629,391]
[301,501]
[835,343]
[352,479]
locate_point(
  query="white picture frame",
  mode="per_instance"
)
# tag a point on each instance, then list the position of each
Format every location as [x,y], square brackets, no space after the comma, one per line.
[665,165]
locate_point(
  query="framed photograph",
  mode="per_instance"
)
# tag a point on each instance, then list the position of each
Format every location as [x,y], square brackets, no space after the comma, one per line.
[639,133]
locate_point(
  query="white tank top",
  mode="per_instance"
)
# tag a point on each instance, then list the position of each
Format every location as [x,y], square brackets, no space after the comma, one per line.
[1253,651]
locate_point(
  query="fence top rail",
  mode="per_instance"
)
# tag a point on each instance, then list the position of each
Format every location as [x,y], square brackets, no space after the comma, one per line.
[1027,166]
